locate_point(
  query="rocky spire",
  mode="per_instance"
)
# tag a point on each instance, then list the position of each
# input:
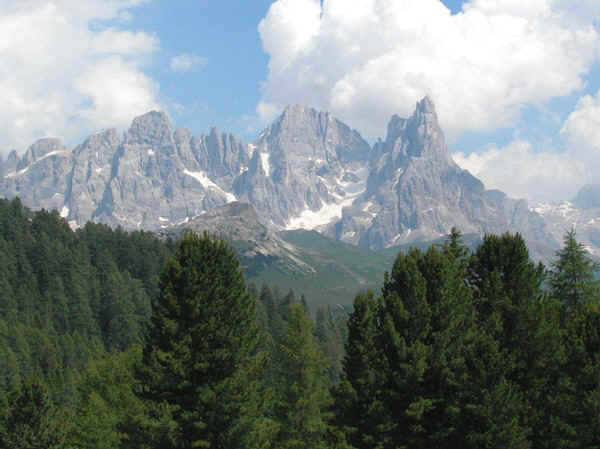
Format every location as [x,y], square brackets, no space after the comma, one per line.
[153,128]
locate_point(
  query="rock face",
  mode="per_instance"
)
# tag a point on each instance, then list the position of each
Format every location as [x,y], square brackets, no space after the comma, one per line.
[307,170]
[304,168]
[150,178]
[40,178]
[415,191]
[257,246]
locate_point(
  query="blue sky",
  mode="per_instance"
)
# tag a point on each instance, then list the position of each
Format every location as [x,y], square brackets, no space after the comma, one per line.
[516,83]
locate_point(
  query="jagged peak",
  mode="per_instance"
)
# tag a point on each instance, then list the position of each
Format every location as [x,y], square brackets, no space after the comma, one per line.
[151,118]
[150,128]
[425,106]
[44,146]
[422,132]
[296,110]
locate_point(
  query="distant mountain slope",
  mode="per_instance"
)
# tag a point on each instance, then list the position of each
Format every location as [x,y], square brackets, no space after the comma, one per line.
[327,271]
[581,214]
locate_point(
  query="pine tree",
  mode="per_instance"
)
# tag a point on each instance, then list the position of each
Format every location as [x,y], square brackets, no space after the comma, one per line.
[302,395]
[514,312]
[572,279]
[358,406]
[200,356]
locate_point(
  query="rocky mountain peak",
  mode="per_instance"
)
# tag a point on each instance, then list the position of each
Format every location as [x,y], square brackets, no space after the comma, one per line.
[426,107]
[10,164]
[424,134]
[296,112]
[153,128]
[410,143]
[39,149]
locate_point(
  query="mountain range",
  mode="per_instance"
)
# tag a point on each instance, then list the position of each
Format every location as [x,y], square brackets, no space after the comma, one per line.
[306,171]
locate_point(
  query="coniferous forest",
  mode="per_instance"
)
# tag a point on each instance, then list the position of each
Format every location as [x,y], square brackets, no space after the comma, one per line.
[119,340]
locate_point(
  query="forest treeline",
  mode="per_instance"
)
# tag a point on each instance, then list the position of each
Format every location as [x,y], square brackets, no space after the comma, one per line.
[117,340]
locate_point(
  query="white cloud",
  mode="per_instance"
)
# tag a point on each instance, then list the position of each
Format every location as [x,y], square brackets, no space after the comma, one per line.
[522,172]
[379,57]
[65,74]
[185,61]
[582,128]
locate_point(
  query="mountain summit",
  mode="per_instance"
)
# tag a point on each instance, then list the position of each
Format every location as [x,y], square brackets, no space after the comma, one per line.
[415,191]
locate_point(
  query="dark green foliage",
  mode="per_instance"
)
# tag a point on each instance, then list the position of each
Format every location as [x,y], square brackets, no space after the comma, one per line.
[572,279]
[68,297]
[31,421]
[108,406]
[406,377]
[302,395]
[515,312]
[359,408]
[329,330]
[200,357]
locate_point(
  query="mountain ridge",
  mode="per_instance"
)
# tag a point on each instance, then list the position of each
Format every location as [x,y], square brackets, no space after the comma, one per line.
[307,170]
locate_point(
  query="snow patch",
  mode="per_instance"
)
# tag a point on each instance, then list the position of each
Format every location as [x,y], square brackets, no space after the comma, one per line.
[184,221]
[163,219]
[266,166]
[208,184]
[563,209]
[45,156]
[402,236]
[309,219]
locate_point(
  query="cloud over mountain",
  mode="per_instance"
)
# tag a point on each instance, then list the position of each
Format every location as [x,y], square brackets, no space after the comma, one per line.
[374,59]
[524,171]
[70,67]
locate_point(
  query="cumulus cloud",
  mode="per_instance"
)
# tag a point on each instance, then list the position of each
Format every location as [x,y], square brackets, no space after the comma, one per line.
[523,172]
[185,61]
[67,69]
[481,66]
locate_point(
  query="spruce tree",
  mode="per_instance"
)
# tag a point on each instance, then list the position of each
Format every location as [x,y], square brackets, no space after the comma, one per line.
[572,278]
[514,311]
[358,406]
[301,385]
[200,358]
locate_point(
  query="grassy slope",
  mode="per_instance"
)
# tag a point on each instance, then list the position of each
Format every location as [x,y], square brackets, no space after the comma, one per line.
[342,270]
